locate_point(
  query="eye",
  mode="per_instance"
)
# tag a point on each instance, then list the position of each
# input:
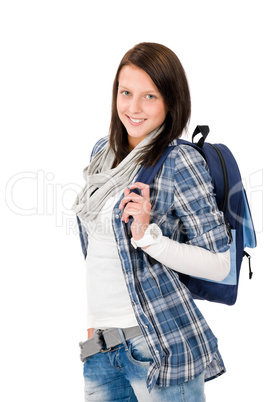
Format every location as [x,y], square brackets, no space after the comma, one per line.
[150,96]
[125,93]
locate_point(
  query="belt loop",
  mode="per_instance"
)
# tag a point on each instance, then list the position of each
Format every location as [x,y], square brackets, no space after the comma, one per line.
[123,338]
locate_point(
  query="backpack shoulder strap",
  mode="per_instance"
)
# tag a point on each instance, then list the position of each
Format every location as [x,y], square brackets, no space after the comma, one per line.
[147,174]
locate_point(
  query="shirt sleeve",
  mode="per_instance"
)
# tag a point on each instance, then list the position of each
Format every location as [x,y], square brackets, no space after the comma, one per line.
[83,236]
[98,146]
[191,260]
[195,204]
[81,227]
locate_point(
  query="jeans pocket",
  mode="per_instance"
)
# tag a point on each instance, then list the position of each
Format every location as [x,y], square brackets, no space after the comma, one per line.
[139,352]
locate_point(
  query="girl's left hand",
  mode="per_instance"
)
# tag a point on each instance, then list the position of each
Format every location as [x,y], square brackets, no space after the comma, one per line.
[139,209]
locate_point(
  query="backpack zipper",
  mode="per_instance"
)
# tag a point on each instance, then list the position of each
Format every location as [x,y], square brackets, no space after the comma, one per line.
[225,179]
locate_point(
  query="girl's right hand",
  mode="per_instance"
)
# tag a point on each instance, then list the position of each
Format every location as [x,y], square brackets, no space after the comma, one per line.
[90,333]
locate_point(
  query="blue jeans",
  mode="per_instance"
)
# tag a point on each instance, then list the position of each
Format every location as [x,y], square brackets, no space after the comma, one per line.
[120,375]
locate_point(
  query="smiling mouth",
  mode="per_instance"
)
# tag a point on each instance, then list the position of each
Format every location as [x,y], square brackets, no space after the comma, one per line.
[135,121]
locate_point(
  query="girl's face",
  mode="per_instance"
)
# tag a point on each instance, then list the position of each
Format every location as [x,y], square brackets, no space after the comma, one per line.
[140,106]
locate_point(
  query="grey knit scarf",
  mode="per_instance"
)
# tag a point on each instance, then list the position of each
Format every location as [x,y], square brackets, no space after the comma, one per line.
[102,182]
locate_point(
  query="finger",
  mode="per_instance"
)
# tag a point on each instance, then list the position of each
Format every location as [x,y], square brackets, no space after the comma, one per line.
[131,197]
[145,188]
[131,209]
[137,211]
[126,191]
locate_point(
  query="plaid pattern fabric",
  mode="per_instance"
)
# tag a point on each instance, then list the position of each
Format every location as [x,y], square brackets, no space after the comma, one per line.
[183,205]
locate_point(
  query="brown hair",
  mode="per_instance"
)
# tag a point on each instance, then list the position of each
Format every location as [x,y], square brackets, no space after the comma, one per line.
[167,73]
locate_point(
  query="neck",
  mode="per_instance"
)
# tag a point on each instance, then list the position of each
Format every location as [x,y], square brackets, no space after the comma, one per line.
[133,141]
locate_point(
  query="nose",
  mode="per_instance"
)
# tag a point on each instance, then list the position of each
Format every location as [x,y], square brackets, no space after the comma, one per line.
[135,105]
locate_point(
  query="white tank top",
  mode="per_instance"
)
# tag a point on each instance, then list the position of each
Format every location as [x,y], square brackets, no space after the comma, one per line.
[108,302]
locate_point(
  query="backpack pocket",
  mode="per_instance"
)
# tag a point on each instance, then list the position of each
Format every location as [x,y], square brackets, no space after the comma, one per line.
[231,278]
[249,234]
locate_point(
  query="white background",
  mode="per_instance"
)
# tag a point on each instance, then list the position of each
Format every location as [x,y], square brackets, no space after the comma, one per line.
[58,61]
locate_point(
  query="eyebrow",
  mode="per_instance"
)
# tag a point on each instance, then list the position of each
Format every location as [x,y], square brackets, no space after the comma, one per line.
[145,92]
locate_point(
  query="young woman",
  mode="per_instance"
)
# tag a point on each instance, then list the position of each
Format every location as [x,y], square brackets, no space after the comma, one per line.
[147,340]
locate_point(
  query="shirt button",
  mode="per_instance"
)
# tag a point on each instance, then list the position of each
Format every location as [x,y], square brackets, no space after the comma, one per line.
[146,326]
[117,216]
[157,352]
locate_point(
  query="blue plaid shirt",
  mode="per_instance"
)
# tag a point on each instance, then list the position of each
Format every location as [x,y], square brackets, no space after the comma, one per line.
[183,206]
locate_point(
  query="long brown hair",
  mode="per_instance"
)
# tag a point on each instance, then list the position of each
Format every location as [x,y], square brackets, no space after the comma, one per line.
[167,73]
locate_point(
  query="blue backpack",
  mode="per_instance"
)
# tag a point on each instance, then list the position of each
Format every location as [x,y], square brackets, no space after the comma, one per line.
[232,201]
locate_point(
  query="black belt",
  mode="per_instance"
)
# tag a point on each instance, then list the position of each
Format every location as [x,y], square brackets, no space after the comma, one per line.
[109,338]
